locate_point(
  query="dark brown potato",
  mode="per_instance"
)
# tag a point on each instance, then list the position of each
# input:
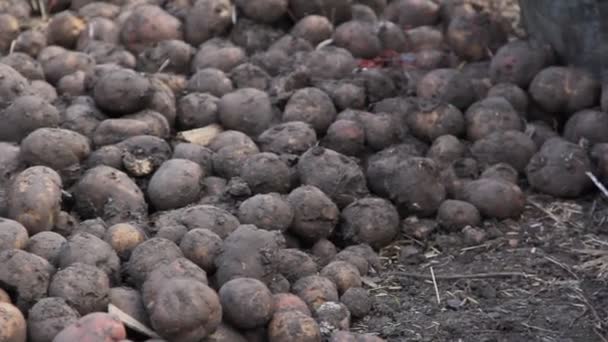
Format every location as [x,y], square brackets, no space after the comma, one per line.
[12,324]
[424,38]
[590,125]
[228,161]
[294,137]
[13,235]
[94,326]
[26,65]
[314,28]
[343,274]
[48,317]
[196,306]
[169,55]
[453,215]
[516,96]
[247,110]
[378,84]
[206,19]
[358,301]
[196,153]
[201,246]
[64,29]
[143,154]
[88,249]
[121,91]
[293,326]
[392,36]
[558,169]
[64,63]
[540,132]
[81,118]
[148,25]
[346,137]
[445,150]
[370,220]
[72,84]
[474,35]
[490,115]
[294,264]
[266,211]
[248,75]
[123,238]
[30,42]
[337,11]
[330,62]
[101,183]
[517,62]
[71,282]
[247,303]
[43,90]
[315,215]
[447,85]
[265,173]
[512,147]
[173,233]
[346,95]
[558,89]
[333,316]
[230,137]
[129,301]
[148,256]
[266,11]
[359,38]
[24,115]
[210,80]
[412,13]
[217,53]
[430,122]
[315,290]
[286,302]
[501,171]
[180,268]
[495,198]
[175,184]
[109,155]
[323,251]
[215,219]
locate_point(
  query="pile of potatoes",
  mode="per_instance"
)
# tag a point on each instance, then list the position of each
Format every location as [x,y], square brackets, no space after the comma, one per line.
[228,171]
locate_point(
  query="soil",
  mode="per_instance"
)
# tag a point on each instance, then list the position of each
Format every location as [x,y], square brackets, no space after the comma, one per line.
[539,278]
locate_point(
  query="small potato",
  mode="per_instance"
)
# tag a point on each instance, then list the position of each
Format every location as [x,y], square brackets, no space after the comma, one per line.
[92,327]
[207,19]
[453,215]
[148,256]
[228,161]
[490,115]
[392,37]
[13,235]
[412,13]
[30,42]
[26,65]
[24,115]
[123,238]
[430,123]
[197,110]
[217,53]
[587,124]
[48,317]
[247,110]
[185,310]
[47,245]
[143,154]
[215,219]
[169,55]
[157,123]
[210,80]
[35,198]
[230,137]
[69,283]
[65,63]
[494,198]
[424,38]
[346,137]
[12,324]
[358,301]
[248,75]
[175,184]
[121,91]
[370,220]
[447,85]
[147,25]
[266,11]
[293,326]
[511,147]
[294,264]
[540,132]
[315,290]
[315,215]
[64,29]
[129,301]
[330,62]
[501,171]
[516,96]
[266,211]
[343,274]
[314,28]
[359,38]
[323,251]
[72,84]
[201,246]
[472,36]
[294,137]
[266,173]
[445,150]
[517,62]
[247,303]
[286,302]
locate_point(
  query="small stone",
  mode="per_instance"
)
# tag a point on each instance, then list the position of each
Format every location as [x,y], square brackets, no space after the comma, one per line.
[420,229]
[410,255]
[473,236]
[453,304]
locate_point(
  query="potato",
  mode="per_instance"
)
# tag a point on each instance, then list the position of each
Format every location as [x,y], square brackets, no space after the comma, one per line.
[558,169]
[225,333]
[315,215]
[266,173]
[217,53]
[314,28]
[93,9]
[26,114]
[72,84]
[330,62]
[540,132]
[338,11]
[315,290]
[65,63]
[168,55]
[381,129]
[491,115]
[323,251]
[516,96]
[175,184]
[359,38]
[180,268]
[454,215]
[215,219]
[447,85]
[48,317]
[287,302]
[148,256]
[246,303]
[445,150]
[294,137]
[12,324]
[248,75]
[412,13]
[186,310]
[47,245]
[559,89]
[266,11]
[370,220]
[343,274]
[501,171]
[293,326]
[586,124]
[363,13]
[30,42]
[247,110]
[88,249]
[94,226]
[392,37]
[346,137]
[210,80]
[35,198]
[333,316]
[228,161]
[173,233]
[121,91]
[102,183]
[207,19]
[129,301]
[157,123]
[266,211]
[512,147]
[109,155]
[13,235]
[294,264]
[424,38]
[361,250]
[494,198]
[143,154]
[474,35]
[378,84]
[69,283]
[248,252]
[517,62]
[64,29]
[148,25]
[93,326]
[123,238]
[24,64]
[346,95]
[201,246]
[357,301]
[430,122]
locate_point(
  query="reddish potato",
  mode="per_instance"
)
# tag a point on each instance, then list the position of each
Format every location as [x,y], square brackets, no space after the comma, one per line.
[247,110]
[517,62]
[94,326]
[286,302]
[148,256]
[447,85]
[587,124]
[343,274]
[293,326]
[315,290]
[294,137]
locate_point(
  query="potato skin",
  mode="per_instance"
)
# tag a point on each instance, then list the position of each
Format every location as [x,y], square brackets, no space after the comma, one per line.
[370,220]
[202,247]
[429,123]
[147,25]
[206,19]
[26,114]
[266,211]
[246,303]
[12,324]
[494,198]
[359,38]
[175,184]
[48,317]
[315,215]
[13,235]
[293,326]
[150,255]
[122,91]
[588,124]
[93,327]
[512,147]
[69,283]
[35,198]
[248,110]
[490,115]
[315,290]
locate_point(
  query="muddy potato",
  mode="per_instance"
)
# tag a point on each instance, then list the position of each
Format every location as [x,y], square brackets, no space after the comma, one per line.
[88,249]
[64,29]
[64,63]
[47,245]
[314,28]
[424,38]
[491,115]
[412,13]
[293,326]
[346,137]
[210,80]
[587,124]
[494,198]
[359,38]
[30,42]
[248,110]
[559,168]
[12,324]
[123,238]
[446,85]
[265,173]
[218,53]
[196,153]
[148,256]
[337,11]
[475,35]
[69,283]
[315,214]
[266,11]
[453,215]
[169,55]
[180,268]
[195,305]
[246,303]
[98,185]
[81,118]
[173,233]
[175,184]
[48,317]
[163,100]
[207,19]
[315,290]
[558,89]
[93,326]
[24,115]
[129,301]
[215,219]
[248,75]
[109,155]
[343,274]
[430,122]
[501,171]
[13,235]
[445,150]
[516,96]
[201,246]
[72,84]
[286,302]
[517,62]
[228,161]
[147,25]
[294,137]
[266,211]
[230,137]
[294,264]
[156,122]
[330,62]
[94,226]
[370,220]
[540,132]
[26,65]
[143,154]
[512,147]
[121,91]
[323,251]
